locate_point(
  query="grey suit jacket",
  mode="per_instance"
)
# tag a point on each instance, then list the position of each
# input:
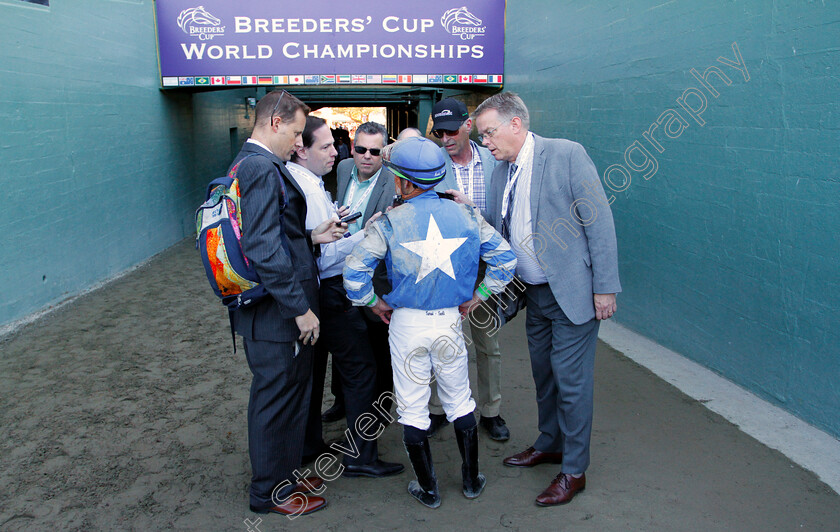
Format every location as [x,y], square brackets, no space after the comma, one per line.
[274,239]
[381,198]
[574,235]
[488,163]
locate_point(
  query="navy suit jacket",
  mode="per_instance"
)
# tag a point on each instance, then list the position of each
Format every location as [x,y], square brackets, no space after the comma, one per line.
[275,241]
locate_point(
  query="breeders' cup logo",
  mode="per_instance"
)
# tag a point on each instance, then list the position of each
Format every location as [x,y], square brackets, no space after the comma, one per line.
[459,21]
[198,22]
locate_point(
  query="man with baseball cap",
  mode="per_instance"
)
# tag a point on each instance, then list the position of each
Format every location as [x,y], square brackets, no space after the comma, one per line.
[431,248]
[469,168]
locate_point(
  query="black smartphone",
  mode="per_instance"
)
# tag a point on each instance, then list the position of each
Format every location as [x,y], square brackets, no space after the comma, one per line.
[350,218]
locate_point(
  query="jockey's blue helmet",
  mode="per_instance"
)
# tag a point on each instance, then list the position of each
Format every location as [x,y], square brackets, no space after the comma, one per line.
[418,160]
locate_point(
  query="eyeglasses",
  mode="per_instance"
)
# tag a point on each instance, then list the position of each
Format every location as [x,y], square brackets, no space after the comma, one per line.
[277,106]
[361,150]
[439,133]
[489,134]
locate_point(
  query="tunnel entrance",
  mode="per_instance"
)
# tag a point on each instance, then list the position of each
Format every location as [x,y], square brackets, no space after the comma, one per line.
[403,106]
[395,107]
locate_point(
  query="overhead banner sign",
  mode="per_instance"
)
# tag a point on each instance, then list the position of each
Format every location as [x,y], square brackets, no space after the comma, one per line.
[320,42]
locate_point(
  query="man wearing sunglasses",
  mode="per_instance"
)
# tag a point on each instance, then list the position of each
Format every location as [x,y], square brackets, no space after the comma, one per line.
[365,186]
[469,168]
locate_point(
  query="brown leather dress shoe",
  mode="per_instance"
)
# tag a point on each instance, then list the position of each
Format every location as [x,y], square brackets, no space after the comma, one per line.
[309,485]
[561,490]
[294,506]
[531,457]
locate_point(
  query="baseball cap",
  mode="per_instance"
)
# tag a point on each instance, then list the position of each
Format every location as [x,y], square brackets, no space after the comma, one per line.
[418,160]
[449,114]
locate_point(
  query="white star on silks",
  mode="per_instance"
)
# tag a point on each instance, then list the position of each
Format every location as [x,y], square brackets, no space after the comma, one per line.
[435,250]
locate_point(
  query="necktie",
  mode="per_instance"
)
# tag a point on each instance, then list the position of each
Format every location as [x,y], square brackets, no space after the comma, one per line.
[507,217]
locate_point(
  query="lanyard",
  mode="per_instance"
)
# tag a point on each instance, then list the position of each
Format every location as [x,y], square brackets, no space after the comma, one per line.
[355,206]
[527,159]
[471,167]
[470,186]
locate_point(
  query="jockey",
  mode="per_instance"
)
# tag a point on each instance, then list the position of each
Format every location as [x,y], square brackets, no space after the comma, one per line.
[431,247]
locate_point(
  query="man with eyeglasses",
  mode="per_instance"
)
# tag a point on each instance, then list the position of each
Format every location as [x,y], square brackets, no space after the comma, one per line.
[469,168]
[365,186]
[547,200]
[279,331]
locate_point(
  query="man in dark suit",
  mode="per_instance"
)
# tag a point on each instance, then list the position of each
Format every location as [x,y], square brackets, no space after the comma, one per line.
[344,328]
[365,186]
[546,199]
[280,331]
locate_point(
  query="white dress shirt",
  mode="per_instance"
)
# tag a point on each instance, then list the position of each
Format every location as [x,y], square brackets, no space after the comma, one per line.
[260,144]
[319,207]
[527,267]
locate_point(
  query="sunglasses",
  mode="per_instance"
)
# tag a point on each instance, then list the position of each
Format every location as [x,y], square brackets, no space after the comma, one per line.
[439,133]
[277,106]
[361,150]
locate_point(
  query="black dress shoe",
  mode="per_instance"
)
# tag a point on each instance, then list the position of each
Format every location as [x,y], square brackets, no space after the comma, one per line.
[496,427]
[438,422]
[334,413]
[375,469]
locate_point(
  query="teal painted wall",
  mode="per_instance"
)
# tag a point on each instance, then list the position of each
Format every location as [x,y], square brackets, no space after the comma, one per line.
[728,252]
[100,169]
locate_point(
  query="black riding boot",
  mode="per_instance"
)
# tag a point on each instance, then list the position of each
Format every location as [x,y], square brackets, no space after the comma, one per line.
[474,481]
[425,488]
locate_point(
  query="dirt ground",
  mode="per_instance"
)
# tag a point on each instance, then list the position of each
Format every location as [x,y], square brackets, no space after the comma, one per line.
[125,410]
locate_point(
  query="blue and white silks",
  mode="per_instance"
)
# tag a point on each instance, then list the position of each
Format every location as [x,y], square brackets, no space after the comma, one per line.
[431,247]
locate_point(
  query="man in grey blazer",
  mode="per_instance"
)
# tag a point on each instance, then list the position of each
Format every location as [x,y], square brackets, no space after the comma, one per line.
[546,199]
[469,168]
[364,185]
[280,330]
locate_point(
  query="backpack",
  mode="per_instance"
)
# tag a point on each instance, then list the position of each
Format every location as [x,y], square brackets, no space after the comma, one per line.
[218,223]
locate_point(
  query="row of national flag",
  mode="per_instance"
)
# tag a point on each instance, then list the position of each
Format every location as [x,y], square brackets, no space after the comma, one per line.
[331,79]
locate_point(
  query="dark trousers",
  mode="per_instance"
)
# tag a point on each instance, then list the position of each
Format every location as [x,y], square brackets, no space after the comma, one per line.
[343,333]
[377,333]
[378,338]
[280,389]
[335,387]
[563,366]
